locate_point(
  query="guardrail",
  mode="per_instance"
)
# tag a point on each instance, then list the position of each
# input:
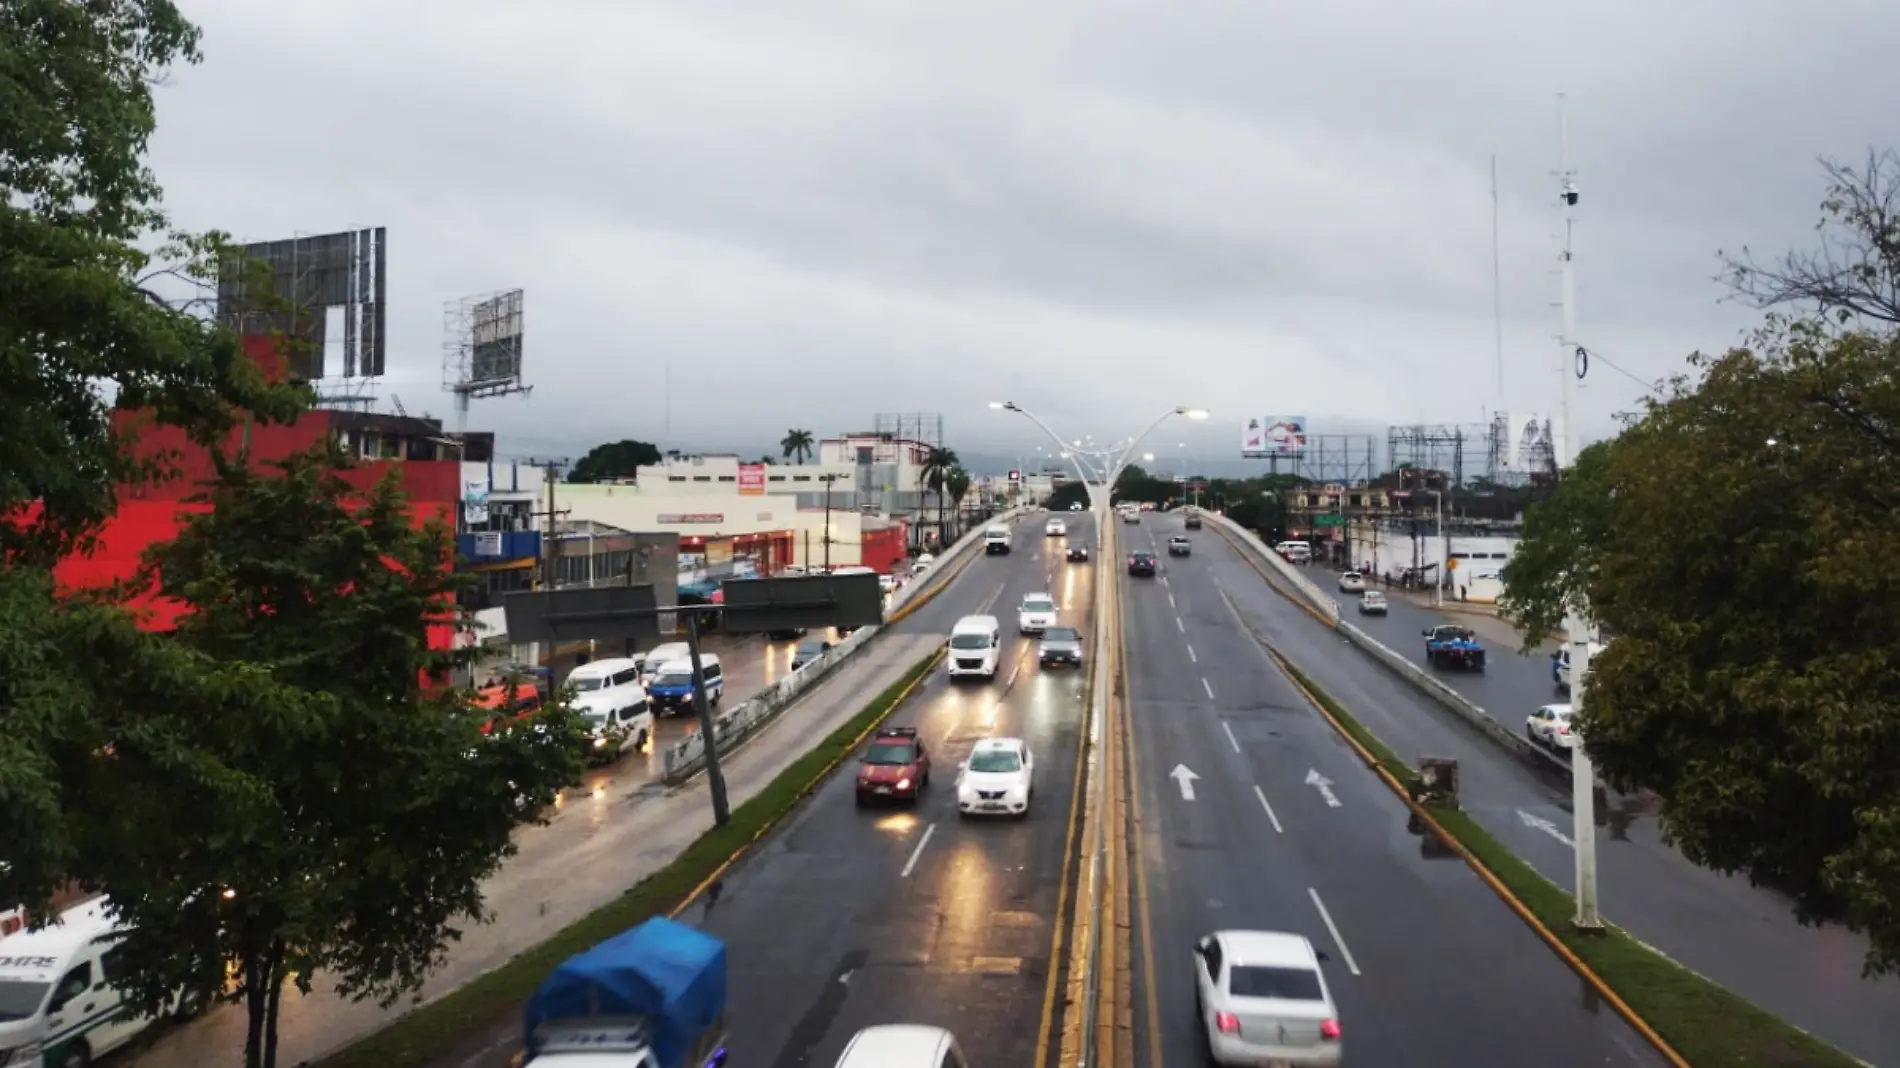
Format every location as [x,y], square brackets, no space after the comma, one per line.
[1328,610]
[687,757]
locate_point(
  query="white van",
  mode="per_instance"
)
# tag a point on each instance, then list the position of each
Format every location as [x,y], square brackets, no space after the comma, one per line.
[650,662]
[58,1004]
[975,645]
[996,539]
[1297,552]
[608,695]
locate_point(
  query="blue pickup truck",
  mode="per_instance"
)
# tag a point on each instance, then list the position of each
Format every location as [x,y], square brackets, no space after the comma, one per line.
[1451,646]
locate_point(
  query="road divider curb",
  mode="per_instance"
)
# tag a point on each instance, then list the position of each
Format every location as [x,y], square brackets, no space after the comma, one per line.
[1081,1020]
[438,1028]
[1687,1018]
[1276,570]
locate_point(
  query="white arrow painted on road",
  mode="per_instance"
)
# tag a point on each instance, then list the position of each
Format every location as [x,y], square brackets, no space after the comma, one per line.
[1324,785]
[1185,777]
[1545,826]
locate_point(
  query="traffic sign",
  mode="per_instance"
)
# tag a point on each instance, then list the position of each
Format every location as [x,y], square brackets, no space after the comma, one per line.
[1329,520]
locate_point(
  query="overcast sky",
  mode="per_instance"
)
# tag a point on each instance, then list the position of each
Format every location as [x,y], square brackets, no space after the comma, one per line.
[819,210]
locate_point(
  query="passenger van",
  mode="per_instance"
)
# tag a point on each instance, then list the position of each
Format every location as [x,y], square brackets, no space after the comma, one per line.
[650,663]
[58,1001]
[609,697]
[996,540]
[672,687]
[1297,552]
[975,645]
[505,708]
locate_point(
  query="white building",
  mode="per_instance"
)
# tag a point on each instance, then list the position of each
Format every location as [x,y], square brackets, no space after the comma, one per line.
[887,473]
[1477,560]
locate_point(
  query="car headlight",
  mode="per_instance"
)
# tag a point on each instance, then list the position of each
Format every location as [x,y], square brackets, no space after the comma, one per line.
[600,741]
[903,784]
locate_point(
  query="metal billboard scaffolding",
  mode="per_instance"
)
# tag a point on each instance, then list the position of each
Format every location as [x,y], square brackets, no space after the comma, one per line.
[1348,459]
[1464,453]
[311,278]
[894,429]
[482,345]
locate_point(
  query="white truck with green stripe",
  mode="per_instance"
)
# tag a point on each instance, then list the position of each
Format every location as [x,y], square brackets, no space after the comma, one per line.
[59,1007]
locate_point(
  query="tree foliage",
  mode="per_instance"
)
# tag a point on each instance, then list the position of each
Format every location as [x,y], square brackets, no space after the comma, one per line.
[353,825]
[797,445]
[79,336]
[615,459]
[1737,541]
[1854,275]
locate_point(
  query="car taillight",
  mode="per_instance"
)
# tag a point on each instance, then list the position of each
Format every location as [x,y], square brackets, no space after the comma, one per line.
[1227,1022]
[1329,1030]
[1563,730]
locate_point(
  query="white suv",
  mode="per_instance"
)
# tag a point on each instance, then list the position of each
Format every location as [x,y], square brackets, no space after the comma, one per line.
[999,779]
[1037,613]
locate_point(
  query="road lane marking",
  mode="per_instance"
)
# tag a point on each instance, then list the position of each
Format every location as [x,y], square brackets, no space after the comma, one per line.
[1333,929]
[911,865]
[1209,689]
[1231,740]
[1185,776]
[1547,826]
[1262,795]
[1182,626]
[1324,785]
[1192,659]
[1171,603]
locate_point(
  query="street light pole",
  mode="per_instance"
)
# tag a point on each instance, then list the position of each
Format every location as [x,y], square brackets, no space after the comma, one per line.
[1576,623]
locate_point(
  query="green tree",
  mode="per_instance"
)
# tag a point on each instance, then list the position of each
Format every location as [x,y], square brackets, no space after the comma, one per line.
[353,827]
[81,336]
[797,445]
[1069,493]
[957,484]
[935,474]
[1737,541]
[615,459]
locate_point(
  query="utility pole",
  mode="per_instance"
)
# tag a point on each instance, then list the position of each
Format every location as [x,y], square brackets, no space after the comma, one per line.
[1576,623]
[827,535]
[715,778]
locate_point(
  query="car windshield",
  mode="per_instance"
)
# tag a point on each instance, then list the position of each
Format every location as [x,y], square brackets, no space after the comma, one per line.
[593,715]
[991,760]
[1453,634]
[1291,984]
[674,676]
[588,685]
[1037,604]
[1375,598]
[890,753]
[811,648]
[969,641]
[1060,634]
[1351,575]
[21,1001]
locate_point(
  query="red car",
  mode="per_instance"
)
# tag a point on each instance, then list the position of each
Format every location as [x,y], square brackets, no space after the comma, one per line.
[895,768]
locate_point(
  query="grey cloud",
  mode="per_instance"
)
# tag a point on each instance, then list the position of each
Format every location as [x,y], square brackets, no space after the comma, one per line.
[1097,208]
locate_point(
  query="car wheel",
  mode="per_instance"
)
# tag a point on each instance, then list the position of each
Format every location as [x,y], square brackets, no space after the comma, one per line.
[861,800]
[1532,735]
[76,1056]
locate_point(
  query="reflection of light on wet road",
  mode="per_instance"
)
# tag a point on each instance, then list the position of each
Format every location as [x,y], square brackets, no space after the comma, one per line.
[966,886]
[898,824]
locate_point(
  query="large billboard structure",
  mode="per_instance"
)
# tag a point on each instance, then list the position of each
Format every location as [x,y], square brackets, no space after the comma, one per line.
[482,346]
[1273,437]
[1523,445]
[311,285]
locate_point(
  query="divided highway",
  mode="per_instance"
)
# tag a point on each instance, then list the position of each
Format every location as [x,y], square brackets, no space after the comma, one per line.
[848,917]
[1253,813]
[1741,936]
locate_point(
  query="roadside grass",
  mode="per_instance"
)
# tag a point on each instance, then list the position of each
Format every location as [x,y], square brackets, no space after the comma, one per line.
[434,1030]
[1709,1025]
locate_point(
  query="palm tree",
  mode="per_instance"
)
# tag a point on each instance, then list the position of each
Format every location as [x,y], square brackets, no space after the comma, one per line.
[935,473]
[797,445]
[957,485]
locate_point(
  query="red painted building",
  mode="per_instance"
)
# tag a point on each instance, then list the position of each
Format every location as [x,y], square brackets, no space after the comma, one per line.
[148,514]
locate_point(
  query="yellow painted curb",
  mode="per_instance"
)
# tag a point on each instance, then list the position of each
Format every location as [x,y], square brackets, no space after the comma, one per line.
[769,826]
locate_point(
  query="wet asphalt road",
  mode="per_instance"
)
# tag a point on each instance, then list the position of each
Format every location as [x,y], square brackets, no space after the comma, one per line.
[1741,936]
[849,917]
[1288,831]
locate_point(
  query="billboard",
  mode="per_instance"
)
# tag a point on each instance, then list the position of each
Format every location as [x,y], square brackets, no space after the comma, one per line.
[306,278]
[1278,437]
[495,339]
[1525,444]
[751,480]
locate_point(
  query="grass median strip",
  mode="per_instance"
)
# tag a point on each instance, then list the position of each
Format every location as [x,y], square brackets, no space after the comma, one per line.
[1709,1025]
[436,1029]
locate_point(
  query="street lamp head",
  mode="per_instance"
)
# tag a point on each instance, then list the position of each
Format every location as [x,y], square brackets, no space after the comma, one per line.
[1147,457]
[1192,413]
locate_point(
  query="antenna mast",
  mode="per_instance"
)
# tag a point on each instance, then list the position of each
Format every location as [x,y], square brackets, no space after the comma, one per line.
[1497,283]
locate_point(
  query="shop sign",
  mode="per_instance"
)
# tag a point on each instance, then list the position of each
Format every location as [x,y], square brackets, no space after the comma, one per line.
[690,519]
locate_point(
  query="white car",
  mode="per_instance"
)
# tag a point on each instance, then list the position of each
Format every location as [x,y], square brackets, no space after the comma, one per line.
[902,1046]
[1075,507]
[923,564]
[997,780]
[1352,582]
[887,583]
[1263,1000]
[1549,726]
[1055,528]
[1036,614]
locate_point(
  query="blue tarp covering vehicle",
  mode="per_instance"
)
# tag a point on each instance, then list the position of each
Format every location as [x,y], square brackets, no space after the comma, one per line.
[1451,646]
[655,994]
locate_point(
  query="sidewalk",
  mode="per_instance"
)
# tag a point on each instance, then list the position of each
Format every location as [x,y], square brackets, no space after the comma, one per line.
[564,871]
[1484,619]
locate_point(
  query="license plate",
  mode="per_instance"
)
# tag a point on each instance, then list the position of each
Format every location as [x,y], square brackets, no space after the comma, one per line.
[993,806]
[883,789]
